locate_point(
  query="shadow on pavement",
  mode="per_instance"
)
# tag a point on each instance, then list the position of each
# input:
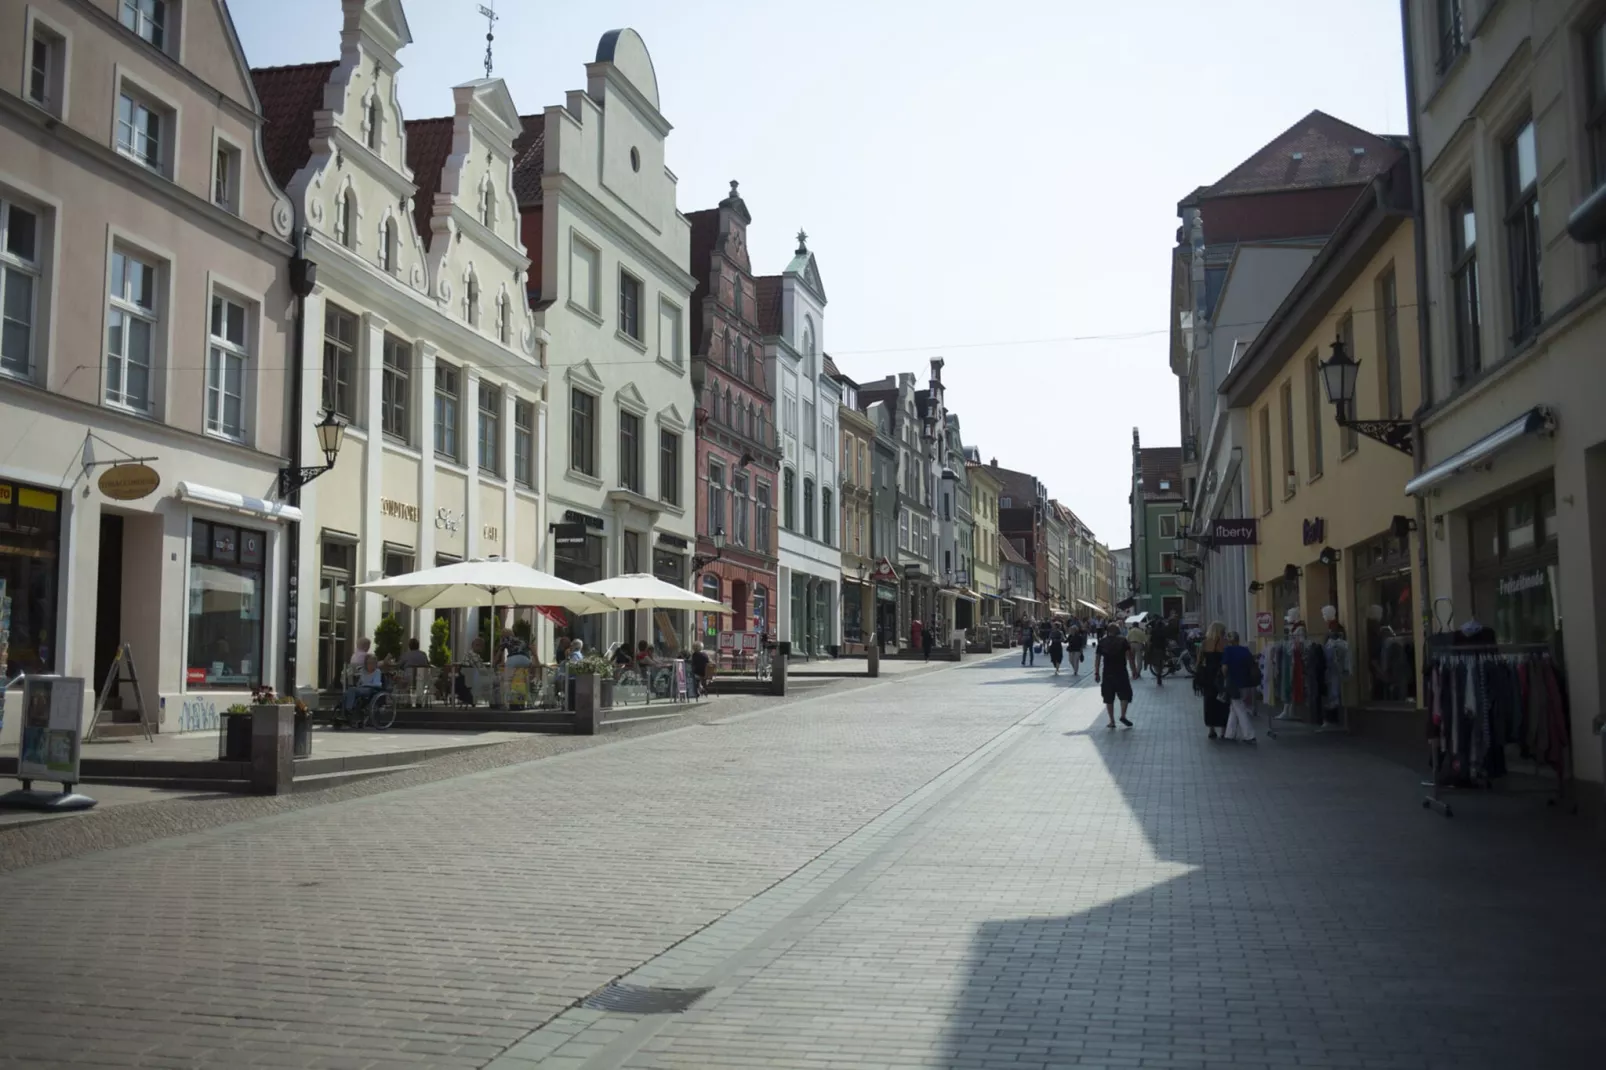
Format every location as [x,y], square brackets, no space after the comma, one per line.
[1272,907]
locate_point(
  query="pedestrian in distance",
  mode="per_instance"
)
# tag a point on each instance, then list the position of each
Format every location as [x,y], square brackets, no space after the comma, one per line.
[1242,677]
[1075,644]
[1056,648]
[1028,640]
[1111,661]
[1138,636]
[1210,679]
[928,639]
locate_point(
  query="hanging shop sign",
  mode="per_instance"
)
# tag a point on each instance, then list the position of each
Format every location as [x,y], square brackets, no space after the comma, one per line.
[1315,530]
[1225,532]
[568,534]
[884,572]
[129,482]
[1263,622]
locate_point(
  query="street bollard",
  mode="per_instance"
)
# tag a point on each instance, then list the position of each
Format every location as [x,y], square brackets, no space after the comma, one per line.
[778,668]
[875,659]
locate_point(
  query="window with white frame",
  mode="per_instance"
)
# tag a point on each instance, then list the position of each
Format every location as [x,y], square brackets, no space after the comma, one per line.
[583,263]
[828,436]
[903,529]
[490,428]
[47,69]
[1168,526]
[19,286]
[143,129]
[738,528]
[630,451]
[226,177]
[669,333]
[227,351]
[669,467]
[148,19]
[629,305]
[131,332]
[1521,164]
[810,425]
[448,397]
[339,362]
[524,443]
[396,390]
[583,432]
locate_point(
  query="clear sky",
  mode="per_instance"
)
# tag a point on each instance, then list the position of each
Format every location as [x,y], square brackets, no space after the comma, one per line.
[994,184]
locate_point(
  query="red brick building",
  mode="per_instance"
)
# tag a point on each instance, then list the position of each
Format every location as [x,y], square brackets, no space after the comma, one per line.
[738,460]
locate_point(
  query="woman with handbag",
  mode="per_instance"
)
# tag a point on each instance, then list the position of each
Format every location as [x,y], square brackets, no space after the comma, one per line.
[1210,679]
[1243,676]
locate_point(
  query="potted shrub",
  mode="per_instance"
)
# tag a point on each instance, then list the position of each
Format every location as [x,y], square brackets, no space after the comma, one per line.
[591,675]
[264,696]
[236,725]
[388,639]
[440,654]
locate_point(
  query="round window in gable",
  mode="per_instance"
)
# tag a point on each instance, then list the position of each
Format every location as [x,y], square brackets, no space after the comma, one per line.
[635,160]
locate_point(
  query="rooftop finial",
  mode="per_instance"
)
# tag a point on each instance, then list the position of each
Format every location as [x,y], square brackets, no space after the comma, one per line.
[733,189]
[489,11]
[802,241]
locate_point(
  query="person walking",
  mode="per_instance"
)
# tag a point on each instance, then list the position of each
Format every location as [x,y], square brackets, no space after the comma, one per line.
[1210,680]
[1138,636]
[1028,639]
[1074,645]
[1110,663]
[1056,648]
[1159,637]
[1241,668]
[928,639]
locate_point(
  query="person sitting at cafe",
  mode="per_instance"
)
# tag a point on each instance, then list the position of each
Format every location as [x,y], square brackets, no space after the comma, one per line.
[644,653]
[414,658]
[370,682]
[702,669]
[359,657]
[622,658]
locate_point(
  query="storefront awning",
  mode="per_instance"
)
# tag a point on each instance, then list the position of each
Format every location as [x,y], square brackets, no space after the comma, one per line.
[968,595]
[1536,421]
[1100,610]
[238,503]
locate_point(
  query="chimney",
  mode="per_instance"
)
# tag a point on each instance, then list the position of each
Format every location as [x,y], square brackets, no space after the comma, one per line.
[993,462]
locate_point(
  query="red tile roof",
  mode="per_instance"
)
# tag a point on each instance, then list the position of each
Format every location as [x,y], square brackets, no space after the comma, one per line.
[1327,157]
[429,142]
[831,369]
[769,304]
[1161,462]
[529,159]
[289,96]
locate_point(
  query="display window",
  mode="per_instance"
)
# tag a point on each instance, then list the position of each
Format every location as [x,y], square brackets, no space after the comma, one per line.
[30,551]
[227,588]
[1514,555]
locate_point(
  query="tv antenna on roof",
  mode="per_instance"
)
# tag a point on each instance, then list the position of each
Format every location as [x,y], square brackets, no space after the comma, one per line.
[489,11]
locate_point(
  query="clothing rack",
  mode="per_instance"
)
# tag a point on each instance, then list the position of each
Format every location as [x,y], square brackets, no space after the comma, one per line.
[1321,698]
[1534,666]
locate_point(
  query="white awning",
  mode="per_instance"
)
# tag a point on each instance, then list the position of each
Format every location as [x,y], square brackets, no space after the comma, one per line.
[1100,610]
[238,503]
[1535,421]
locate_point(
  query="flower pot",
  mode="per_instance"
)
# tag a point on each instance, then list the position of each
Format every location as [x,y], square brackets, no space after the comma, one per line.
[235,746]
[303,736]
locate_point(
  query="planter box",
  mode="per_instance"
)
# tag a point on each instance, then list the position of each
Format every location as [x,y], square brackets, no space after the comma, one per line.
[234,737]
[303,736]
[588,694]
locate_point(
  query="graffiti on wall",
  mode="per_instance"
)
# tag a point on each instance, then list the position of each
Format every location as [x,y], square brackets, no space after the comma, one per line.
[196,714]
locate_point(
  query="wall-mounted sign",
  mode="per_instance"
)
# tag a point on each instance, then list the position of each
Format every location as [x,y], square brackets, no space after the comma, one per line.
[574,516]
[1524,581]
[1315,530]
[568,534]
[399,510]
[490,533]
[671,540]
[129,482]
[446,520]
[1226,532]
[884,572]
[1263,622]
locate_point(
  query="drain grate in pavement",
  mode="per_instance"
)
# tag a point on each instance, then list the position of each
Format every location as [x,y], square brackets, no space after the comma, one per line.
[643,999]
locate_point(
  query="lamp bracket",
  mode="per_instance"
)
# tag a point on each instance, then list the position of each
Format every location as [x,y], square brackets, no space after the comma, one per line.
[293,479]
[1396,434]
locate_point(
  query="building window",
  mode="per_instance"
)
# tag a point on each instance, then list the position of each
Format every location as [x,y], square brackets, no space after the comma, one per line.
[789,500]
[716,496]
[1452,29]
[1288,438]
[738,528]
[396,390]
[372,120]
[448,395]
[810,427]
[1313,413]
[583,260]
[1265,461]
[487,205]
[630,451]
[808,507]
[503,318]
[1464,281]
[583,432]
[225,369]
[19,282]
[828,437]
[1522,231]
[141,126]
[524,443]
[1388,303]
[761,519]
[629,304]
[1514,566]
[668,467]
[1168,526]
[490,429]
[148,18]
[826,526]
[225,606]
[387,248]
[336,609]
[1167,562]
[339,362]
[47,61]
[345,217]
[226,178]
[471,300]
[131,332]
[669,333]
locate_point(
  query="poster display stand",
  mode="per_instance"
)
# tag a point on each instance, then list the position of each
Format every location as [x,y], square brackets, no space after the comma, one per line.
[48,748]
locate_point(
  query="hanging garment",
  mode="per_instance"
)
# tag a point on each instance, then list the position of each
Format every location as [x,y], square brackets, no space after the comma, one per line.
[1338,667]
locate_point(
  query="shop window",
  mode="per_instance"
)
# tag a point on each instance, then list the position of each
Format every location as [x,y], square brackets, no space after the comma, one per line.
[30,547]
[398,561]
[669,626]
[227,591]
[1514,567]
[336,607]
[711,590]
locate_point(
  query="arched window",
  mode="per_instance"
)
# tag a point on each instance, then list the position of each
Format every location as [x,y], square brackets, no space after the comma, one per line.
[762,433]
[825,515]
[502,317]
[387,247]
[711,587]
[726,354]
[471,300]
[808,346]
[752,365]
[487,204]
[789,500]
[729,422]
[808,508]
[346,219]
[750,424]
[373,121]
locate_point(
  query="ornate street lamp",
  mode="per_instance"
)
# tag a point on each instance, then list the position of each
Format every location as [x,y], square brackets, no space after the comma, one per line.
[1339,373]
[331,435]
[698,563]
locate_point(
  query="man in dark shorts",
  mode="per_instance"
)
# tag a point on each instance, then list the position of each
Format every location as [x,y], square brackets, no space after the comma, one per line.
[1111,660]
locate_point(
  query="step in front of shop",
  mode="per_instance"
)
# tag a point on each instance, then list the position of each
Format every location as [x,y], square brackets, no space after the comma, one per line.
[478,719]
[157,773]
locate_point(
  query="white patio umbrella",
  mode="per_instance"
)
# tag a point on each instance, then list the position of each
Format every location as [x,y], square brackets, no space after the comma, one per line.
[638,590]
[490,582]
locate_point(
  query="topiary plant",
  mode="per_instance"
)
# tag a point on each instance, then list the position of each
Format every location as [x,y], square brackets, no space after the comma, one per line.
[440,652]
[522,630]
[388,638]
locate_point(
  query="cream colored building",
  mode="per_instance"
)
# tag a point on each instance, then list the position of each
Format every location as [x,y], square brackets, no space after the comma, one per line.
[1505,102]
[984,491]
[420,330]
[857,472]
[147,314]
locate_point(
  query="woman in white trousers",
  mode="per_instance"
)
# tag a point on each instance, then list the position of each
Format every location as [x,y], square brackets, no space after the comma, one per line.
[1238,662]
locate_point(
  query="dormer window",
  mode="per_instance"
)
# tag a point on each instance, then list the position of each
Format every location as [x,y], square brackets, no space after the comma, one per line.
[372,123]
[147,18]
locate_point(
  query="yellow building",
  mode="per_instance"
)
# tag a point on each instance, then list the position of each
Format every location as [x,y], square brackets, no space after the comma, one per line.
[984,491]
[1334,521]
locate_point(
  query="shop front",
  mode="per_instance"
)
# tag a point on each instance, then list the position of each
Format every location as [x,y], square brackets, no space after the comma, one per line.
[669,631]
[577,554]
[30,566]
[1385,609]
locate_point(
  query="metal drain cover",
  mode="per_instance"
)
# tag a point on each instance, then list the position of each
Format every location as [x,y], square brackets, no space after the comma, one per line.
[643,999]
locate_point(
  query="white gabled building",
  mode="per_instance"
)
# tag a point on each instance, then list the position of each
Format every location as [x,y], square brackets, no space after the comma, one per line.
[419,322]
[791,310]
[612,288]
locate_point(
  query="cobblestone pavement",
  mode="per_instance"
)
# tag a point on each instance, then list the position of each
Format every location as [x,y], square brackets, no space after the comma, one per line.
[958,869]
